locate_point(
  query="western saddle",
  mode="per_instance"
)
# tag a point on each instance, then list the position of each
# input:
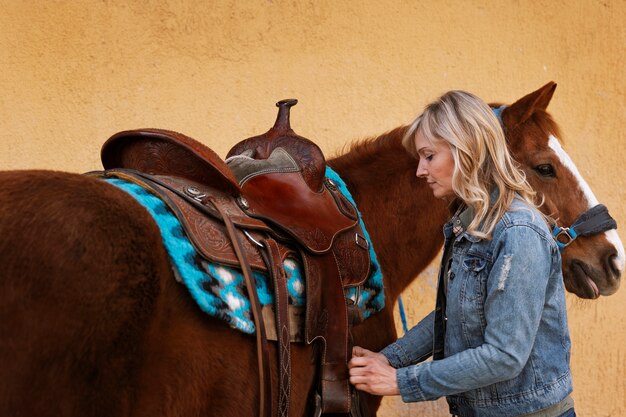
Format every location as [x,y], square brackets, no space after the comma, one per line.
[268,201]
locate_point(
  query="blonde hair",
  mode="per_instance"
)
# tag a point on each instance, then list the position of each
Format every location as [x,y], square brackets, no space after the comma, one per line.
[482,161]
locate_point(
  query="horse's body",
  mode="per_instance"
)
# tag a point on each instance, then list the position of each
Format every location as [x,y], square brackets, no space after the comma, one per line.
[93,322]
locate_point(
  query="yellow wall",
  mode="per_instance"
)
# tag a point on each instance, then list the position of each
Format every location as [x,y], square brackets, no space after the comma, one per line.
[74,72]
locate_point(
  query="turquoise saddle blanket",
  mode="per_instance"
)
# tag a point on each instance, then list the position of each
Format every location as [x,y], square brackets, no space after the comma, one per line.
[219,290]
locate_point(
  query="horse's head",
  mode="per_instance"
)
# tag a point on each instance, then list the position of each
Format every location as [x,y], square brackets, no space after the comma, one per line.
[594,262]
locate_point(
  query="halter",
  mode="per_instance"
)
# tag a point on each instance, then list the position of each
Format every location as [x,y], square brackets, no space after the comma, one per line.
[593,221]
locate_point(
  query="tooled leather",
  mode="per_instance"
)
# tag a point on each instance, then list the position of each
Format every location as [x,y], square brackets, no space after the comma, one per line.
[164,152]
[353,260]
[207,234]
[342,202]
[325,294]
[281,297]
[308,155]
[313,219]
[160,157]
[210,238]
[316,221]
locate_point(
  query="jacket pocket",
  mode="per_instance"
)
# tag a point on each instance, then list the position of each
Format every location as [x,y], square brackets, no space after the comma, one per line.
[474,270]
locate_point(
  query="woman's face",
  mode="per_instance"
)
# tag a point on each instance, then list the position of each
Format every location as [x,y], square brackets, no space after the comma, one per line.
[436,166]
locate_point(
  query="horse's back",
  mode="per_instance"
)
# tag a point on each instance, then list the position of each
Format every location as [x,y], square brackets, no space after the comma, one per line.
[93,323]
[82,268]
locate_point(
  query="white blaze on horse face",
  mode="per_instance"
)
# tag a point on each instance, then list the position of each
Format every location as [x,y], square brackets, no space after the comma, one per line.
[611,235]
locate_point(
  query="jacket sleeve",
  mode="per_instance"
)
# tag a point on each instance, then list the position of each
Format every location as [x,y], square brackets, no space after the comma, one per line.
[516,290]
[415,346]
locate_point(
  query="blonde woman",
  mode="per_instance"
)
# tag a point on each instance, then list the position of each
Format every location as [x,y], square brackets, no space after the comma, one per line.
[498,335]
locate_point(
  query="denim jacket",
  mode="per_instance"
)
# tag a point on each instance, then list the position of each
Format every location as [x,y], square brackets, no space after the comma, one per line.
[499,337]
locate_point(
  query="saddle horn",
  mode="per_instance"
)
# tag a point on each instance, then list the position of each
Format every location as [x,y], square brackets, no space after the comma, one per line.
[282,119]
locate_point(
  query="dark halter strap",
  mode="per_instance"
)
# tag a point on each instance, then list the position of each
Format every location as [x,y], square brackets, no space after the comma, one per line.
[593,221]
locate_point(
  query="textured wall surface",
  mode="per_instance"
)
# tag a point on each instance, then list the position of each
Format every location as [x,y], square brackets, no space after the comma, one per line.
[72,73]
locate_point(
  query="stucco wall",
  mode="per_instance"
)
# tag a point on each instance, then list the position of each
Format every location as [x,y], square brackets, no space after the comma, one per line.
[72,73]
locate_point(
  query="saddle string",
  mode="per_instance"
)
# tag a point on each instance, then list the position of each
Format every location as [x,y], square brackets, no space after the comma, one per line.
[265,382]
[274,264]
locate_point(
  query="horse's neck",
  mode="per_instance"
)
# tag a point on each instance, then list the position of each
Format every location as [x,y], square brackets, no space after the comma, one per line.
[401,215]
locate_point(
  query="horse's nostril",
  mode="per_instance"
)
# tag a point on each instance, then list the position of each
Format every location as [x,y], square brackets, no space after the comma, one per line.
[612,265]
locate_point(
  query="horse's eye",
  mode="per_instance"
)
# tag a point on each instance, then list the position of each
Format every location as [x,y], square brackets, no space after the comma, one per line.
[545,170]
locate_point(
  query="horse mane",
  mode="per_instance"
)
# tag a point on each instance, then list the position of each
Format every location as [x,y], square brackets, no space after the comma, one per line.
[380,149]
[380,174]
[372,150]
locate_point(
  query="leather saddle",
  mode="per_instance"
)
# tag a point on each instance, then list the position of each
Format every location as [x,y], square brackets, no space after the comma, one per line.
[269,200]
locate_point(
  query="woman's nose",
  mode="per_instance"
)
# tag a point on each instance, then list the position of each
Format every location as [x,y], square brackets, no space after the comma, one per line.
[421,170]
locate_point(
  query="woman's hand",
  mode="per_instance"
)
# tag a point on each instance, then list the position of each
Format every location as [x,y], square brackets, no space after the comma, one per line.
[371,372]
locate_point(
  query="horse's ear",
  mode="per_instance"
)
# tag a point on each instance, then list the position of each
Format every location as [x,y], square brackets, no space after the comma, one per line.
[523,108]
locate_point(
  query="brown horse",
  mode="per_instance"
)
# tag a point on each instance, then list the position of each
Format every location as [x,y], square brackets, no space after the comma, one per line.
[93,323]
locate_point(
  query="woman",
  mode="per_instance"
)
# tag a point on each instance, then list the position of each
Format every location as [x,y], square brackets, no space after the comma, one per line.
[498,335]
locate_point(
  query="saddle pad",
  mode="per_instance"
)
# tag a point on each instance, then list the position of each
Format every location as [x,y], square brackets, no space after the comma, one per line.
[219,290]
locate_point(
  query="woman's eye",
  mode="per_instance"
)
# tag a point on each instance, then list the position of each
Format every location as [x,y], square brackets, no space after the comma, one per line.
[428,157]
[545,170]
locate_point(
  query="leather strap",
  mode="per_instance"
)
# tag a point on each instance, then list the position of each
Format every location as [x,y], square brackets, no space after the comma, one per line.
[265,381]
[275,266]
[325,295]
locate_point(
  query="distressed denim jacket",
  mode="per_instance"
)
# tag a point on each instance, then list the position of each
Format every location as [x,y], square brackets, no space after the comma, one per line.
[499,337]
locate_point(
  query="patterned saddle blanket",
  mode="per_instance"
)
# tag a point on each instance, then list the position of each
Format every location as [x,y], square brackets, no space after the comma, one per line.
[219,289]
